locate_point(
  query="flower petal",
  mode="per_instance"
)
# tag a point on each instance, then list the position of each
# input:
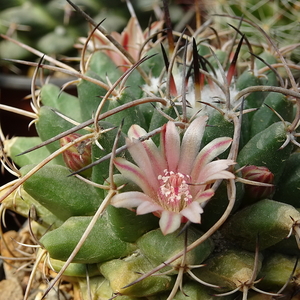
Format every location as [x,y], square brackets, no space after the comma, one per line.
[154,27]
[132,37]
[135,131]
[203,196]
[140,156]
[158,163]
[135,174]
[169,222]
[191,143]
[221,175]
[170,145]
[147,207]
[216,170]
[193,212]
[129,199]
[209,152]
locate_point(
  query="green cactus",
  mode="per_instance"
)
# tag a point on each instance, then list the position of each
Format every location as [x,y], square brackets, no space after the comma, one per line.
[166,176]
[277,18]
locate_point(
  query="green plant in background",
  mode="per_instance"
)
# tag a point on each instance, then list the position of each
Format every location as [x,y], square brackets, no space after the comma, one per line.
[52,27]
[173,173]
[279,19]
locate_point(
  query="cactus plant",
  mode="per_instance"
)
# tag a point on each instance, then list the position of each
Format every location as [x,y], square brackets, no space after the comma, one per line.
[165,176]
[278,19]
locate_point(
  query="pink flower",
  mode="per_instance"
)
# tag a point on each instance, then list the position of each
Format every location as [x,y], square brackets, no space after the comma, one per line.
[132,39]
[175,179]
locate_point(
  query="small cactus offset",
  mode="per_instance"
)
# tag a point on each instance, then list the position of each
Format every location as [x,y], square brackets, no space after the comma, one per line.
[172,173]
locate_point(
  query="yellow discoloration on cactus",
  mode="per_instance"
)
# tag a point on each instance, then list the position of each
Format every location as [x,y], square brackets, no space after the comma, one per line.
[289,216]
[242,276]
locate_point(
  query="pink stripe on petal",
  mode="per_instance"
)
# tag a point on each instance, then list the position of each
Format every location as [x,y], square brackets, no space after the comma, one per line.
[221,175]
[209,152]
[191,143]
[147,206]
[135,174]
[162,141]
[157,161]
[128,199]
[169,222]
[135,131]
[140,156]
[213,169]
[193,212]
[204,195]
[171,145]
[132,36]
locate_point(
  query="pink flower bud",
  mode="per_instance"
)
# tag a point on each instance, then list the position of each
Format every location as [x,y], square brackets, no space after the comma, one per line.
[77,156]
[258,174]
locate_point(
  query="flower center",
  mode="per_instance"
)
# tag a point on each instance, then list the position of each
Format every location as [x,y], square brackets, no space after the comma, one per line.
[174,192]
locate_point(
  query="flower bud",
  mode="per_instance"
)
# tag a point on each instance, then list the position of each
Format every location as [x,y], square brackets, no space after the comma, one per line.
[77,156]
[258,174]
